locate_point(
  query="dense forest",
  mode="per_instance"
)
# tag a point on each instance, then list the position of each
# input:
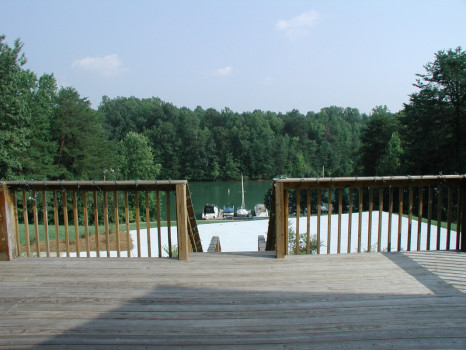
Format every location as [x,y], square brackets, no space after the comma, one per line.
[49,133]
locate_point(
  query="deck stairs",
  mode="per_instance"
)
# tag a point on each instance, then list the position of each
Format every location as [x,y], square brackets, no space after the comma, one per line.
[193,231]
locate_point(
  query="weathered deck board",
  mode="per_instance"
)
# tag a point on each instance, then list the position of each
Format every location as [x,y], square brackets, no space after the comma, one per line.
[383,301]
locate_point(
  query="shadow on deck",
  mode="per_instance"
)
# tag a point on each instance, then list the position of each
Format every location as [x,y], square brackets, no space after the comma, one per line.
[230,300]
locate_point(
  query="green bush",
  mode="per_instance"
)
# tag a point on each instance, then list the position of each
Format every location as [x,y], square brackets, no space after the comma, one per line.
[313,243]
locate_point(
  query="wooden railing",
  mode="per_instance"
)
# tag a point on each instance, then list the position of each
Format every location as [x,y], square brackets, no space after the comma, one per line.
[87,218]
[340,210]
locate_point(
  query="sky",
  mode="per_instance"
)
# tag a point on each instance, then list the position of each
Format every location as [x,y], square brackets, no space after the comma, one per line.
[271,55]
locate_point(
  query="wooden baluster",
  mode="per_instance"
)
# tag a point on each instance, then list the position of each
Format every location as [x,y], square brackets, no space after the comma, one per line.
[86,224]
[400,216]
[107,232]
[308,226]
[390,214]
[56,223]
[15,213]
[419,217]
[76,227]
[360,218]
[462,228]
[138,223]
[458,219]
[350,218]
[26,224]
[117,222]
[369,225]
[287,215]
[96,226]
[65,222]
[410,220]
[149,248]
[340,210]
[128,238]
[159,226]
[429,217]
[298,210]
[450,205]
[379,235]
[439,215]
[36,222]
[319,209]
[46,223]
[169,224]
[329,220]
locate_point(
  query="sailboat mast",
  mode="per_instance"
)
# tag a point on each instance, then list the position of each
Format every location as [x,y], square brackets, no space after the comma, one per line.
[242,193]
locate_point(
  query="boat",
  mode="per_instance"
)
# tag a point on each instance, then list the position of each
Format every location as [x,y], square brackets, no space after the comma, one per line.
[210,212]
[228,211]
[261,211]
[242,212]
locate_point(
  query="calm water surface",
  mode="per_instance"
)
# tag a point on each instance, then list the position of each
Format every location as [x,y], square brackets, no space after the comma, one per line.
[221,192]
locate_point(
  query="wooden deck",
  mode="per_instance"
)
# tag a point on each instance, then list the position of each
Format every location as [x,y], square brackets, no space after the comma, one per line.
[377,300]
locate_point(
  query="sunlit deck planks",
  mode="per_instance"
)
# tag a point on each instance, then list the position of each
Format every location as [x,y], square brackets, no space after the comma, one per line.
[376,300]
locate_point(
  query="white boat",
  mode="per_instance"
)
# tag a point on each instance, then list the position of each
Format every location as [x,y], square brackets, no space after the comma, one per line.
[242,212]
[261,211]
[210,212]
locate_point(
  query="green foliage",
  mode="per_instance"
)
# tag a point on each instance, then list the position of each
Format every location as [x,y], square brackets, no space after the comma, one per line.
[80,138]
[174,250]
[373,248]
[38,160]
[14,112]
[137,161]
[210,145]
[45,134]
[434,121]
[313,243]
[375,136]
[390,161]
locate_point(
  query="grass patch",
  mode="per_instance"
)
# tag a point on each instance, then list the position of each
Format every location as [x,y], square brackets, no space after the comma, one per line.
[81,231]
[443,224]
[82,245]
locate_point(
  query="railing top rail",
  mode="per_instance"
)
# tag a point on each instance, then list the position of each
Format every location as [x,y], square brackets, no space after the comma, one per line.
[132,185]
[375,181]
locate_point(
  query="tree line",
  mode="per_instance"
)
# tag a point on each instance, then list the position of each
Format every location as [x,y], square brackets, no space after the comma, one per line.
[52,133]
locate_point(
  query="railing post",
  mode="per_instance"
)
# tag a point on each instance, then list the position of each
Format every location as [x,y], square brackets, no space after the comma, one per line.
[280,220]
[182,221]
[7,226]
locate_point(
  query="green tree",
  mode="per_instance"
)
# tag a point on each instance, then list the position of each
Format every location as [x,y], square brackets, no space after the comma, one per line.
[376,134]
[434,121]
[137,160]
[82,146]
[231,169]
[390,162]
[38,161]
[14,114]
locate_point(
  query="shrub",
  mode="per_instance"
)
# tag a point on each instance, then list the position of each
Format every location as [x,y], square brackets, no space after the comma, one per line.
[302,242]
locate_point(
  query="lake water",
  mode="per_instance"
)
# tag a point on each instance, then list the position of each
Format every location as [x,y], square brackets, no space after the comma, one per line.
[221,192]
